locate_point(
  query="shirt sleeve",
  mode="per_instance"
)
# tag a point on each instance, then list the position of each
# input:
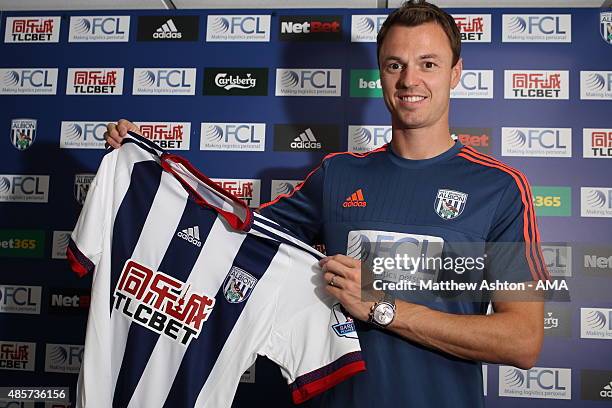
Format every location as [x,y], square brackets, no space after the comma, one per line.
[513,243]
[312,340]
[301,211]
[85,245]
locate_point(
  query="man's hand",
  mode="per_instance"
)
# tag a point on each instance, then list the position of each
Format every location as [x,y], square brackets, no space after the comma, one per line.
[115,132]
[343,277]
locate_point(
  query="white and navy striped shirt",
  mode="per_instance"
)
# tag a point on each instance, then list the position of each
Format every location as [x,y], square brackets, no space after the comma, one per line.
[189,286]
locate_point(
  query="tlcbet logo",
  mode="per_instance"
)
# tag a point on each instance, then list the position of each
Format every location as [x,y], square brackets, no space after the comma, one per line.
[536,84]
[95,81]
[32,29]
[474,27]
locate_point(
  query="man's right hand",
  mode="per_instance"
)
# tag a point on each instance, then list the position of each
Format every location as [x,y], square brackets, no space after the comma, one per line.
[115,132]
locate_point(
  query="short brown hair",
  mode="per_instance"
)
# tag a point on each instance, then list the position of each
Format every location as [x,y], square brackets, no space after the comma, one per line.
[416,12]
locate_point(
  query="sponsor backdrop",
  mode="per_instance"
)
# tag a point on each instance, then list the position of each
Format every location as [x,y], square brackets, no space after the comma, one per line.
[255,99]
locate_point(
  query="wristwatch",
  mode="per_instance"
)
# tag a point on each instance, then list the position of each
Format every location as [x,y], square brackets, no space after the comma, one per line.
[382,312]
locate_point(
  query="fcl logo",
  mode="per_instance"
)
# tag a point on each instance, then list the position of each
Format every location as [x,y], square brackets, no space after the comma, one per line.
[450,204]
[238,285]
[23,133]
[605,21]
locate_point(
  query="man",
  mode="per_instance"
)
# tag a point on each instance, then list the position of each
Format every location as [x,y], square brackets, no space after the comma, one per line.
[421,188]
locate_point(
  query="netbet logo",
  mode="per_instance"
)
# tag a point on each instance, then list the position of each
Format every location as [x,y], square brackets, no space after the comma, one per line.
[313,26]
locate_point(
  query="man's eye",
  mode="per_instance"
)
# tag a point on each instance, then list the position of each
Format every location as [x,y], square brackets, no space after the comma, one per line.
[394,66]
[429,65]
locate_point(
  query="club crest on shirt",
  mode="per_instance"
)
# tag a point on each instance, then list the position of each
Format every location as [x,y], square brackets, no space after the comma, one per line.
[450,204]
[344,325]
[238,285]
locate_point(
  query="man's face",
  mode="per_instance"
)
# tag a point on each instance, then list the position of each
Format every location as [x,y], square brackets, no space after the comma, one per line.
[417,75]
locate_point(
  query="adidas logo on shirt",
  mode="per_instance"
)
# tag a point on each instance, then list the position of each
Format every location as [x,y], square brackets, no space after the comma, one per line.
[306,140]
[355,200]
[168,30]
[191,235]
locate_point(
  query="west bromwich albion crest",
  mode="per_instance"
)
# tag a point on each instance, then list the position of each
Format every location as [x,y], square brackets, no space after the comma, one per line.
[605,23]
[23,133]
[238,285]
[450,203]
[81,186]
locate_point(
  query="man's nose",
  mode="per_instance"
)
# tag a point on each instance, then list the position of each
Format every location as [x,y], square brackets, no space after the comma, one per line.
[409,77]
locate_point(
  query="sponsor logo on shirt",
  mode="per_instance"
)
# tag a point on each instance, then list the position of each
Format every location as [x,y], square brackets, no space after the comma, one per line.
[474,27]
[365,28]
[536,84]
[308,82]
[474,84]
[20,299]
[356,199]
[63,358]
[595,323]
[342,324]
[449,204]
[99,29]
[23,133]
[236,81]
[168,28]
[537,28]
[238,28]
[537,382]
[191,235]
[596,202]
[28,81]
[32,29]
[596,85]
[95,81]
[310,28]
[161,303]
[17,356]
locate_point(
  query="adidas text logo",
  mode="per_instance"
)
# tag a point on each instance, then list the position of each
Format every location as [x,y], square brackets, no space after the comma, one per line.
[306,140]
[607,391]
[355,200]
[191,235]
[168,30]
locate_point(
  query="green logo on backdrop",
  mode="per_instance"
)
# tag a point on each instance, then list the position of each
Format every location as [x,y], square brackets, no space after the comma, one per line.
[552,201]
[365,83]
[22,243]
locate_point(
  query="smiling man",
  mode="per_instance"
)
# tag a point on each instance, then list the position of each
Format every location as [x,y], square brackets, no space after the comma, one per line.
[421,191]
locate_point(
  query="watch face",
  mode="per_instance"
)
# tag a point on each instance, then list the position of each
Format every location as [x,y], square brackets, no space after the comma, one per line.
[383,314]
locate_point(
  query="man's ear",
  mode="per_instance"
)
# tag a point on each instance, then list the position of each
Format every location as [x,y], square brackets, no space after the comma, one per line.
[456,73]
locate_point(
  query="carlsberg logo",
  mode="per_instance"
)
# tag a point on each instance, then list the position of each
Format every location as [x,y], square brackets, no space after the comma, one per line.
[227,82]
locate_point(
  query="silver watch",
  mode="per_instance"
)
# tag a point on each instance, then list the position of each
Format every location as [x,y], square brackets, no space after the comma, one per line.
[382,312]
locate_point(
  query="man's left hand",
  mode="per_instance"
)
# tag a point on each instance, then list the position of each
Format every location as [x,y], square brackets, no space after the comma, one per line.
[343,277]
